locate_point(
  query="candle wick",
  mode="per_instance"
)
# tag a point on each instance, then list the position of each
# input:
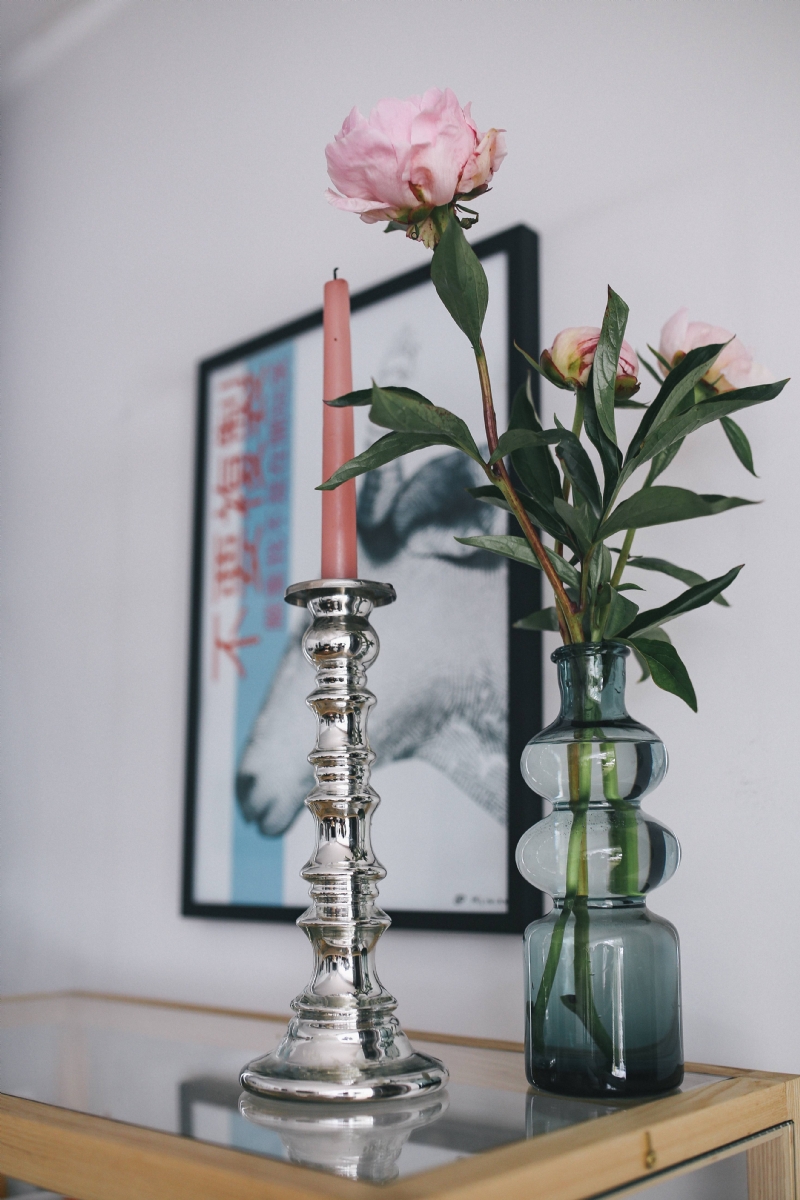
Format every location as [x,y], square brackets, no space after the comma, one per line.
[335,272]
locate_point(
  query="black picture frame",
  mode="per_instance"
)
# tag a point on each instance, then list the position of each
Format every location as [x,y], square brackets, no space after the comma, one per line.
[520,246]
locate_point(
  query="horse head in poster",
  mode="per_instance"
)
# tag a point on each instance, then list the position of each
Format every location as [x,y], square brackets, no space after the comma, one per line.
[441,678]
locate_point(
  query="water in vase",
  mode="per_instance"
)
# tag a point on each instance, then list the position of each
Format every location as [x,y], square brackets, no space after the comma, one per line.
[602,971]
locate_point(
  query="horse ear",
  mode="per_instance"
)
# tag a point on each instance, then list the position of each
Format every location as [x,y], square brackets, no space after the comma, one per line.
[376,506]
[437,495]
[378,494]
[391,509]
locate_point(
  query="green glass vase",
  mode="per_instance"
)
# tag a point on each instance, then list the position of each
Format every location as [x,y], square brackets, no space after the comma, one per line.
[602,972]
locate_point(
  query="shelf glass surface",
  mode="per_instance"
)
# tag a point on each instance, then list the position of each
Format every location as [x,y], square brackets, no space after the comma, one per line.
[176,1070]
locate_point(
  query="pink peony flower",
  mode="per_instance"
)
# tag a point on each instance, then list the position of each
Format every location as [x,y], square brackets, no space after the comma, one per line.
[568,361]
[410,154]
[734,367]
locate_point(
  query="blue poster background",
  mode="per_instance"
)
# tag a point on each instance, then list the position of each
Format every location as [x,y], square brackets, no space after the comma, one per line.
[257,868]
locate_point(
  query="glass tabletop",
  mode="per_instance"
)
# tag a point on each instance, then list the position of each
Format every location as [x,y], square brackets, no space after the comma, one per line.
[176,1070]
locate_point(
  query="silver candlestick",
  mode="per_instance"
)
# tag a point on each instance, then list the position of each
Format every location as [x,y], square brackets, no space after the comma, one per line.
[344,1043]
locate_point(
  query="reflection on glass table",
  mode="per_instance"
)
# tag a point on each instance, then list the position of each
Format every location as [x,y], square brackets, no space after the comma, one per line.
[174,1070]
[379,1142]
[178,1071]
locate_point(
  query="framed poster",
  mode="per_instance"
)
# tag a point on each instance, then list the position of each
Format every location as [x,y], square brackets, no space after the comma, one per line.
[458,694]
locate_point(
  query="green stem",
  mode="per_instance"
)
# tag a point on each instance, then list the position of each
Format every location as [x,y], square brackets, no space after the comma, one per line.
[584,1006]
[577,420]
[624,555]
[585,581]
[598,621]
[581,1003]
[500,477]
[576,903]
[624,876]
[580,778]
[549,974]
[577,425]
[622,561]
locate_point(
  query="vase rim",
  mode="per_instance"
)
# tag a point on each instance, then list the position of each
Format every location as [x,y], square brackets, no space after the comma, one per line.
[588,650]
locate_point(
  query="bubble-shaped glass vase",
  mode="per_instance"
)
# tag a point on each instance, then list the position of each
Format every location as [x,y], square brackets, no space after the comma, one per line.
[602,971]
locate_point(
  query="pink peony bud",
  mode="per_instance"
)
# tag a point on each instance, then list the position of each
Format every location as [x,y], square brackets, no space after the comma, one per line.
[568,361]
[734,367]
[412,154]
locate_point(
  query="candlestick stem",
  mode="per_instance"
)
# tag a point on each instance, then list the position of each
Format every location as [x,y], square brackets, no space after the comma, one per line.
[344,1043]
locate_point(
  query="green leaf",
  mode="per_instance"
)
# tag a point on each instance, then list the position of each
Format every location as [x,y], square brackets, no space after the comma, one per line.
[657,635]
[534,464]
[518,439]
[621,613]
[352,399]
[661,461]
[597,569]
[393,226]
[364,396]
[531,361]
[575,518]
[578,468]
[648,367]
[660,358]
[406,414]
[629,587]
[518,549]
[693,597]
[642,664]
[491,494]
[738,440]
[666,667]
[564,570]
[545,518]
[701,414]
[544,618]
[606,361]
[626,402]
[536,469]
[679,383]
[460,281]
[610,456]
[505,544]
[690,578]
[662,505]
[387,448]
[606,565]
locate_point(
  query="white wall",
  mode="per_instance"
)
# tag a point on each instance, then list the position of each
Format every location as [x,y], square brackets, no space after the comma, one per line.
[162,198]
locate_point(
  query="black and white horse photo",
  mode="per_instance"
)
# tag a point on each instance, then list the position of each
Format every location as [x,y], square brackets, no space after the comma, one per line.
[441,674]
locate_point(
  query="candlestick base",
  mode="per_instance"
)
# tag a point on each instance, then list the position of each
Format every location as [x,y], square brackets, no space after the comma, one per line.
[344,1044]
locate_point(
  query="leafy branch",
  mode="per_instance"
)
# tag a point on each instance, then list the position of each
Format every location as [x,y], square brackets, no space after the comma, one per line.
[556,490]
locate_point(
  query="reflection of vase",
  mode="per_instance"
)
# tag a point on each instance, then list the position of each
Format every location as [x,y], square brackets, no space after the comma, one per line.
[546,1113]
[603,973]
[361,1141]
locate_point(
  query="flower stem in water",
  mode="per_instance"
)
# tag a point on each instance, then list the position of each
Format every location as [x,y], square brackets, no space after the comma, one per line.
[624,876]
[581,1002]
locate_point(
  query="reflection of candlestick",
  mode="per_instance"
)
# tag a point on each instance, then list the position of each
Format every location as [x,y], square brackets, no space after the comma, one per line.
[362,1141]
[339,548]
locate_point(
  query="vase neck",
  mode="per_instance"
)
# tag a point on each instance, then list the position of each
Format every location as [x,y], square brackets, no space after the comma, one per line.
[591,677]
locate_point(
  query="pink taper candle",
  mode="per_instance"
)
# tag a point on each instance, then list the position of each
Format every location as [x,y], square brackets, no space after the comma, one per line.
[339,544]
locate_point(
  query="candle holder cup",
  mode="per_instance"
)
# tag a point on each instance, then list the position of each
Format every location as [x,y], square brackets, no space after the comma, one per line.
[344,1042]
